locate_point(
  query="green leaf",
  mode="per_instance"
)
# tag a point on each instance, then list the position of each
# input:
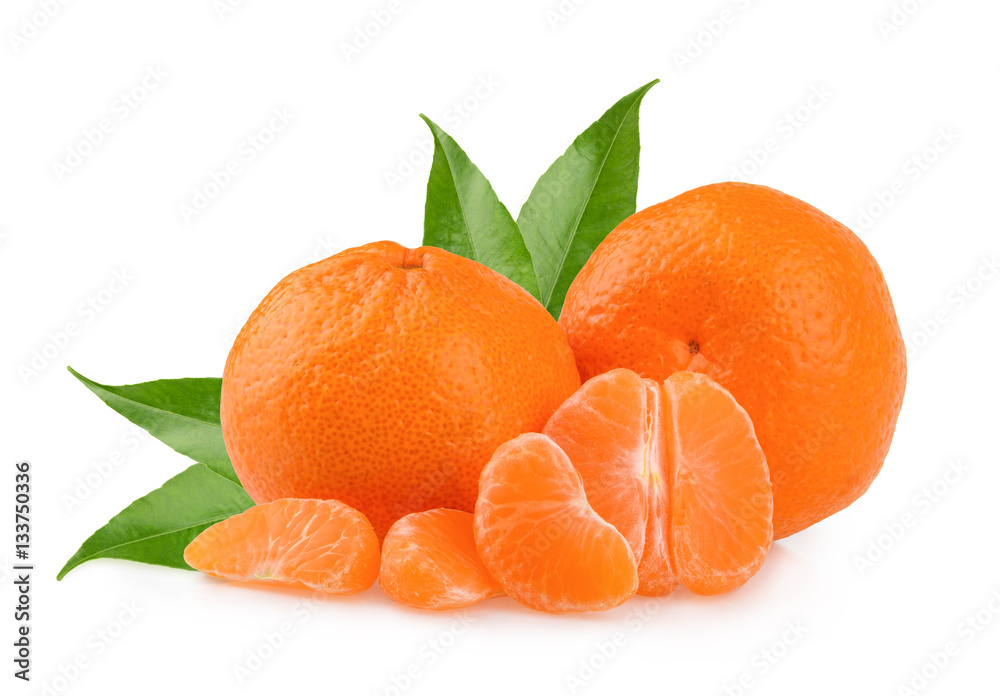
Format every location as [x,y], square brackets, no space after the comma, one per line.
[464,216]
[158,527]
[183,413]
[583,196]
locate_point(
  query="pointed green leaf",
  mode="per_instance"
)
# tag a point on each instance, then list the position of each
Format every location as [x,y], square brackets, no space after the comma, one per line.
[183,413]
[158,527]
[464,216]
[583,196]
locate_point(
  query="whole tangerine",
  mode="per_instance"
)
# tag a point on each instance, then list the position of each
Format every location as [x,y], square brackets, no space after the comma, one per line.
[778,302]
[385,377]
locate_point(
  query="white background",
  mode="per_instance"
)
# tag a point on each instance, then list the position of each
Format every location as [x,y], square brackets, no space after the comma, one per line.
[321,185]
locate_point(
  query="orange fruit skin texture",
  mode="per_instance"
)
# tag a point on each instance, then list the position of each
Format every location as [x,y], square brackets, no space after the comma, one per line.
[541,539]
[319,545]
[385,377]
[430,561]
[778,302]
[675,467]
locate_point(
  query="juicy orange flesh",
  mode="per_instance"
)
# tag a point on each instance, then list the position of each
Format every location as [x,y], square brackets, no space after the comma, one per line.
[309,544]
[657,568]
[430,561]
[603,430]
[678,471]
[721,517]
[539,537]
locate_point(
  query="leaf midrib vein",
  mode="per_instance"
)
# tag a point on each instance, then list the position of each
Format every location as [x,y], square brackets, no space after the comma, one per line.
[586,202]
[164,411]
[461,201]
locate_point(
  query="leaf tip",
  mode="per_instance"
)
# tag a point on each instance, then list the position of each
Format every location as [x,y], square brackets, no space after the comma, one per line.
[88,383]
[648,86]
[435,128]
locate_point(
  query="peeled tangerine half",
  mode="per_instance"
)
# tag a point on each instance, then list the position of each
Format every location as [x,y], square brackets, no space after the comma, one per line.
[320,545]
[676,468]
[429,561]
[541,539]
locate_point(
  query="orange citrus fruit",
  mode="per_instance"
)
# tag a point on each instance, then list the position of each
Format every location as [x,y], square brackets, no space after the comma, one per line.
[541,539]
[677,469]
[778,302]
[385,377]
[321,545]
[429,561]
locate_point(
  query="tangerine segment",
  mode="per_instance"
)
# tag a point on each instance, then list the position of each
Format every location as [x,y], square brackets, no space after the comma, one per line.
[677,469]
[429,561]
[658,574]
[541,539]
[721,526]
[611,429]
[604,430]
[321,545]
